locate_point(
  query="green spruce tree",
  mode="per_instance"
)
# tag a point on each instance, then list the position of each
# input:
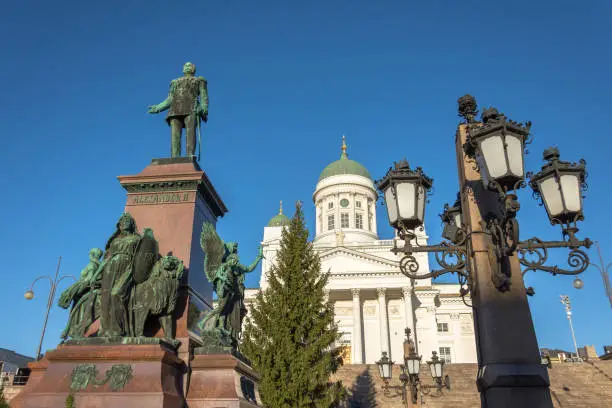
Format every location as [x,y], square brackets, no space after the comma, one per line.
[70,400]
[290,331]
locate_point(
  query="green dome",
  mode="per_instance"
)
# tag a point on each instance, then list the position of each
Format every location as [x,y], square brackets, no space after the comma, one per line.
[344,166]
[280,219]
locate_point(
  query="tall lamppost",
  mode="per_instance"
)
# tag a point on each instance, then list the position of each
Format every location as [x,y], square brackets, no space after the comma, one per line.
[604,270]
[482,244]
[29,295]
[409,377]
[565,300]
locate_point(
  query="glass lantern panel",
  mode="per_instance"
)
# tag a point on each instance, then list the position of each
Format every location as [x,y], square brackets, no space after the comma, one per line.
[406,200]
[457,219]
[380,370]
[387,370]
[549,189]
[571,192]
[413,366]
[514,150]
[432,370]
[421,204]
[391,204]
[492,150]
[438,370]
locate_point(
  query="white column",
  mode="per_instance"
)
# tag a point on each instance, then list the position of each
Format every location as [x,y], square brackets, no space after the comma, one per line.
[384,321]
[407,292]
[357,342]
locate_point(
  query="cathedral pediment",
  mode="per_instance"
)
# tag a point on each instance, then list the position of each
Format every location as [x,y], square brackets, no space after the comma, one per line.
[342,260]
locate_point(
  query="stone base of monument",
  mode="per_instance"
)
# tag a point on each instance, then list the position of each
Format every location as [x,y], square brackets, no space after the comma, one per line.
[222,380]
[144,374]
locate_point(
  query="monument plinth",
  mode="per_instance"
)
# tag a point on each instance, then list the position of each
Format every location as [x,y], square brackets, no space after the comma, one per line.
[174,198]
[126,375]
[222,381]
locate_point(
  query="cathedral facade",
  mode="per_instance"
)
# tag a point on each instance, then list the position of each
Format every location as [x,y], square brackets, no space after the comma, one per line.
[373,301]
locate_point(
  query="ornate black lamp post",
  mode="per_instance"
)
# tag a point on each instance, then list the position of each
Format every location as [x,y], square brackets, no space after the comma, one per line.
[409,376]
[29,295]
[482,245]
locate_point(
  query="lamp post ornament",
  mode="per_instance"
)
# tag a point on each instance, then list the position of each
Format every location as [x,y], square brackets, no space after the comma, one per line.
[483,248]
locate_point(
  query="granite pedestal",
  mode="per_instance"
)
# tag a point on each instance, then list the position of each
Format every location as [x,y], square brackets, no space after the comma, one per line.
[152,377]
[222,381]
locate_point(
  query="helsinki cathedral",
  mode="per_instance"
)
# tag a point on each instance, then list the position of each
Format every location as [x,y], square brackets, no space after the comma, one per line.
[373,301]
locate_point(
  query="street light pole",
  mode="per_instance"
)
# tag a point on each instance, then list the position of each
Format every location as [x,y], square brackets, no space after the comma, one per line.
[603,269]
[568,312]
[482,244]
[29,295]
[509,369]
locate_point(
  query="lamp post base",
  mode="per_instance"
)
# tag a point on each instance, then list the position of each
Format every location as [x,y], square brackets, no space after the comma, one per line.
[514,385]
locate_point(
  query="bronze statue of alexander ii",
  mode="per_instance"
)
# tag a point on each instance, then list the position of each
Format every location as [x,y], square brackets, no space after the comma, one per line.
[187,102]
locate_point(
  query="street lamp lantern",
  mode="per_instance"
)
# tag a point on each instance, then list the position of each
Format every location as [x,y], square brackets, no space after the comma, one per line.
[498,147]
[385,366]
[413,363]
[454,214]
[453,222]
[436,367]
[409,376]
[29,295]
[578,283]
[560,185]
[405,192]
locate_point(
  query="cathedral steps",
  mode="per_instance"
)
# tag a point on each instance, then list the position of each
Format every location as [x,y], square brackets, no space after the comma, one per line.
[586,384]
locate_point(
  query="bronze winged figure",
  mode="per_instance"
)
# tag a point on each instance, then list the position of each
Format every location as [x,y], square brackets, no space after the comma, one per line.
[223,269]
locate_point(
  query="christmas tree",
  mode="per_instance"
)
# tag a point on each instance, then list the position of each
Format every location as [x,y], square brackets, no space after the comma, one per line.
[290,330]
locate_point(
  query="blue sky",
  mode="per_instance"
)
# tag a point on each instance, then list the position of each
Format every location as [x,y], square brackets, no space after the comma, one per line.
[286,80]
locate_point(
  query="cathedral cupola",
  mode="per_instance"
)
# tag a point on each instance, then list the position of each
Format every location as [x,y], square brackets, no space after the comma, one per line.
[280,219]
[345,201]
[344,166]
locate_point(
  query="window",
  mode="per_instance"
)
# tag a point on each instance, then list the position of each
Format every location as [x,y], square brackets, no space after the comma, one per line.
[330,222]
[358,204]
[445,354]
[359,221]
[443,327]
[344,220]
[330,205]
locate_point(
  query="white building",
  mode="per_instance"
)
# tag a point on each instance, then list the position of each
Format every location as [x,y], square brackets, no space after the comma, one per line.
[373,301]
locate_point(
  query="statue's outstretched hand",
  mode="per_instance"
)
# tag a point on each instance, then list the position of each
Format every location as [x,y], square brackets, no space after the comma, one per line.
[153,109]
[260,253]
[203,114]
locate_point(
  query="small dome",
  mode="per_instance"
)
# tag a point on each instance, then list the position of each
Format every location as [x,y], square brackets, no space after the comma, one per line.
[280,219]
[344,166]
